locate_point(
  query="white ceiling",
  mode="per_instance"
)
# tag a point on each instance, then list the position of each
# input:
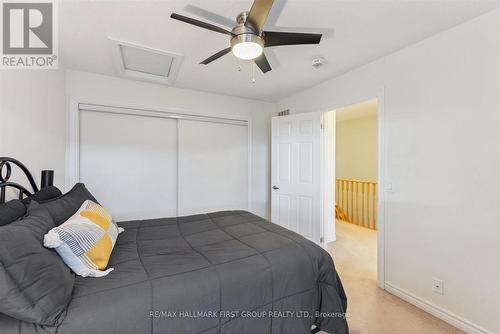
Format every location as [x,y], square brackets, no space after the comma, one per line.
[357,32]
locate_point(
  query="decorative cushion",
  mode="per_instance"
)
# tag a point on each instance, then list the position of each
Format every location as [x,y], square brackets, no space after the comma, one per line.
[85,240]
[11,211]
[63,207]
[35,285]
[44,194]
[15,209]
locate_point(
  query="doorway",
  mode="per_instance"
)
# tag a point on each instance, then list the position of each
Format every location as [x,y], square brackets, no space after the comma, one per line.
[355,185]
[353,204]
[303,193]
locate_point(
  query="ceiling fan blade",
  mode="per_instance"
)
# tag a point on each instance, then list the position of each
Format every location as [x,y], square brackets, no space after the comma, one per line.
[200,24]
[211,16]
[276,38]
[258,14]
[263,64]
[216,56]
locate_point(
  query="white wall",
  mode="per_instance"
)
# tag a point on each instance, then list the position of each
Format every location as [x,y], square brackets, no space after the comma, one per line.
[356,148]
[35,102]
[442,132]
[32,120]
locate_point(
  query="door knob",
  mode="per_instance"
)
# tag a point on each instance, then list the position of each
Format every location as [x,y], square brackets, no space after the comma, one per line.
[275,188]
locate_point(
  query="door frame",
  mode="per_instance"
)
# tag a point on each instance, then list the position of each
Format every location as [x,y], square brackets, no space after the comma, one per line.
[379,94]
[72,163]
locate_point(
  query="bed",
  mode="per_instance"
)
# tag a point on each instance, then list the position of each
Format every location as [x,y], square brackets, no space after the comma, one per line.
[220,272]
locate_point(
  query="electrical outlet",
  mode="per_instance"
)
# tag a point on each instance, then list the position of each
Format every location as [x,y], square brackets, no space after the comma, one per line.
[437,285]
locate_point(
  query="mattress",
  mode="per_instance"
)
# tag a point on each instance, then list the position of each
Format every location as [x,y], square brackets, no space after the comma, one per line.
[221,272]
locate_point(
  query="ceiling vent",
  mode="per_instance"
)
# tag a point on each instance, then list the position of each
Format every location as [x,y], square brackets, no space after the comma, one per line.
[144,63]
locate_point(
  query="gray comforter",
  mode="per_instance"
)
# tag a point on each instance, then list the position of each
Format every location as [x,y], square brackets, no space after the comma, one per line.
[224,272]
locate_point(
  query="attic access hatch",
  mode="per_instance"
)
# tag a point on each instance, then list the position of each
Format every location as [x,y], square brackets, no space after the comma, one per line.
[143,63]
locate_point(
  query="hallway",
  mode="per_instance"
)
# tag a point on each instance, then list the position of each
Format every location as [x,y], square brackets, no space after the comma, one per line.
[371,309]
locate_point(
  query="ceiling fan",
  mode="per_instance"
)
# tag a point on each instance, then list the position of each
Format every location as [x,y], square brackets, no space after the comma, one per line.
[248,39]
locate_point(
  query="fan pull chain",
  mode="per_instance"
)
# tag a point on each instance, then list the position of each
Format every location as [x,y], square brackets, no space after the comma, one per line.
[253,72]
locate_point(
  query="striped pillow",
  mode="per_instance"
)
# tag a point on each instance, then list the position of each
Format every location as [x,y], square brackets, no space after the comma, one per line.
[85,240]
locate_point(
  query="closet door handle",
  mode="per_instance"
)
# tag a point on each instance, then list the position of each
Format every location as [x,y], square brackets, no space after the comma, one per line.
[275,188]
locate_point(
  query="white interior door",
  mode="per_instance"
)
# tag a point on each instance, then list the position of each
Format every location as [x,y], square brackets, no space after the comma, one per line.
[213,167]
[129,163]
[296,179]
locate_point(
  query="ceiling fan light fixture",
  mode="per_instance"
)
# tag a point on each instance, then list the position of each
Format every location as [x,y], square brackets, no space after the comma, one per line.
[247,50]
[247,37]
[247,46]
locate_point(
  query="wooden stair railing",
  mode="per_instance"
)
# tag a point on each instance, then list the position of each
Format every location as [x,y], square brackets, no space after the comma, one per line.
[356,202]
[339,214]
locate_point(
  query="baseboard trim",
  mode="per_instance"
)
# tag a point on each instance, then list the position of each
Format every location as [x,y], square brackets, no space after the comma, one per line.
[436,311]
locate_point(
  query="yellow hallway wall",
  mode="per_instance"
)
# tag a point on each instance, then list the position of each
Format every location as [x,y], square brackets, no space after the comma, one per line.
[356,146]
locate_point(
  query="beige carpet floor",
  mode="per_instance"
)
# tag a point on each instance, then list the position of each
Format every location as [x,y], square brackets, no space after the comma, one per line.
[371,309]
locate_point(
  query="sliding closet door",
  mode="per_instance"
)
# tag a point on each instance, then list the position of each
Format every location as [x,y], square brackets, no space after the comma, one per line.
[129,163]
[213,167]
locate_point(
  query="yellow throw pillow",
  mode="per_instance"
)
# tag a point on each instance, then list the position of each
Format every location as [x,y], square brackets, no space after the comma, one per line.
[85,241]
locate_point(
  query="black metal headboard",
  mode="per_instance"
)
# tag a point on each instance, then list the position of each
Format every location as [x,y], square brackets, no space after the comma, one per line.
[6,172]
